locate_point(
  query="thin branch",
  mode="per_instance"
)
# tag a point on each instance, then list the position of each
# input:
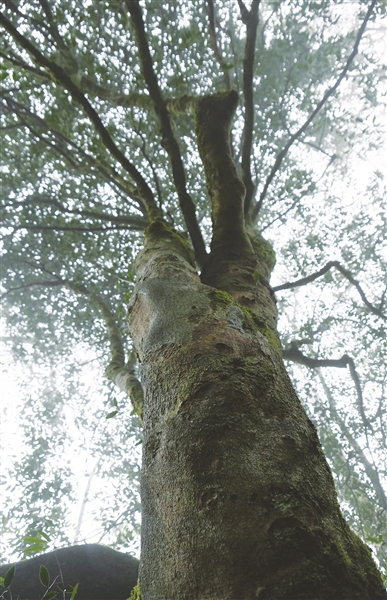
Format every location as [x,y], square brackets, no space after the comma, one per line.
[151,166]
[311,188]
[214,44]
[70,228]
[294,354]
[117,371]
[369,469]
[62,78]
[343,271]
[137,223]
[19,62]
[168,139]
[48,283]
[110,173]
[323,101]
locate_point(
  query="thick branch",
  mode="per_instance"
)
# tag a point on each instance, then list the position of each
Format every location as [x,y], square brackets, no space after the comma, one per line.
[169,141]
[347,275]
[251,20]
[294,354]
[323,101]
[213,117]
[62,78]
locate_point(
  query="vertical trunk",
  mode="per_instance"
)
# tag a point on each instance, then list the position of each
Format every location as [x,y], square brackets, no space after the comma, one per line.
[238,501]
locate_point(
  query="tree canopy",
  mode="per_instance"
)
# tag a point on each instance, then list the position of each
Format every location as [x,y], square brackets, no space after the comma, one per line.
[99,136]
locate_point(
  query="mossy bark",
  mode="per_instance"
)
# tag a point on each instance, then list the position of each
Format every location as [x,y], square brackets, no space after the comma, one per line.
[238,501]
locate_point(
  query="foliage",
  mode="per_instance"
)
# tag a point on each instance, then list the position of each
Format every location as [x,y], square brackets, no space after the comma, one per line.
[72,222]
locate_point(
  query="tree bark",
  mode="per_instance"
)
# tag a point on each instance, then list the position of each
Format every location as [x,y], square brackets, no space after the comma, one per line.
[238,501]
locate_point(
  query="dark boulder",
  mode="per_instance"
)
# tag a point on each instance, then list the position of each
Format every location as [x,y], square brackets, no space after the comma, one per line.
[102,573]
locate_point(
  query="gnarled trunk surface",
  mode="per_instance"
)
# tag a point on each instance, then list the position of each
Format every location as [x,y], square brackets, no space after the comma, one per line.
[238,501]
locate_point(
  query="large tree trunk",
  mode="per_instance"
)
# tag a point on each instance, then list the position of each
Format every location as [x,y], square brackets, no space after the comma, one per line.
[238,501]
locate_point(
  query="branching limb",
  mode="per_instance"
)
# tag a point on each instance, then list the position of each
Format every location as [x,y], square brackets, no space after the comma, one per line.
[117,371]
[347,275]
[60,77]
[323,101]
[251,19]
[120,373]
[294,354]
[60,143]
[169,141]
[214,44]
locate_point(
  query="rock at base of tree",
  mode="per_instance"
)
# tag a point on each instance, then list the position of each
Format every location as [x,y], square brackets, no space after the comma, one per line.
[102,573]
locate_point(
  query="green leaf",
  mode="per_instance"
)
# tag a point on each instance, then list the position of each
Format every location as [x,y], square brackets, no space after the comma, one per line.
[29,538]
[255,276]
[9,576]
[74,591]
[112,414]
[47,537]
[50,595]
[377,540]
[35,548]
[44,576]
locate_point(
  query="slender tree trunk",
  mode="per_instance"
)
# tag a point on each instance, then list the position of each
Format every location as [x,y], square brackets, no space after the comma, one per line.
[238,501]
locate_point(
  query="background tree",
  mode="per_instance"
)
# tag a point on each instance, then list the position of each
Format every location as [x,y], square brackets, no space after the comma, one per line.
[100,141]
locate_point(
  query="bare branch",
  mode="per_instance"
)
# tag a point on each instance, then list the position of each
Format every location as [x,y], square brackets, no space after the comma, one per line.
[214,44]
[169,141]
[136,223]
[49,283]
[294,354]
[323,101]
[343,271]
